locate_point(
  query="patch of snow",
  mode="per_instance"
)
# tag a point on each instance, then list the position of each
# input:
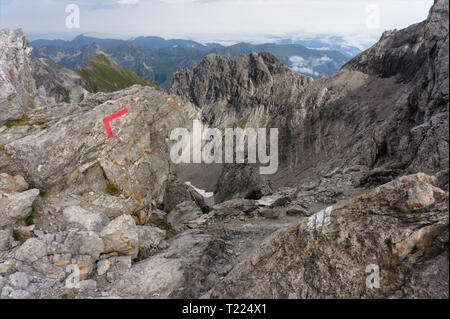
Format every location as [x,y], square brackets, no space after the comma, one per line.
[267,200]
[200,191]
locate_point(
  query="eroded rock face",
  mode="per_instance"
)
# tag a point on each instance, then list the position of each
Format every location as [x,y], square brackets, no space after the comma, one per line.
[135,159]
[17,206]
[418,55]
[11,184]
[189,268]
[85,220]
[241,181]
[185,215]
[61,84]
[121,235]
[229,90]
[17,88]
[325,256]
[387,108]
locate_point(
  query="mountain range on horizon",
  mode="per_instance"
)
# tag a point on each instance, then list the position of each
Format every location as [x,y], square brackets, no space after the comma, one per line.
[156,59]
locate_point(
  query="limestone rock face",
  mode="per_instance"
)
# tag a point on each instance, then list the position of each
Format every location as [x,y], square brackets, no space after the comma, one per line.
[86,220]
[387,108]
[134,159]
[17,206]
[17,88]
[11,184]
[121,235]
[61,84]
[326,255]
[241,181]
[189,268]
[184,215]
[229,90]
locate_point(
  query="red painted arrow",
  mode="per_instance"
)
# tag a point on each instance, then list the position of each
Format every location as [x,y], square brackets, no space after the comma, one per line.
[110,118]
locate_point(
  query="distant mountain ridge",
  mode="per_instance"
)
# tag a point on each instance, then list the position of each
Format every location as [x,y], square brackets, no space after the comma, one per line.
[156,59]
[103,74]
[150,42]
[296,56]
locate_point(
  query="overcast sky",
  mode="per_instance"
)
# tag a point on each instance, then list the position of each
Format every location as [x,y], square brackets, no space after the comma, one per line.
[211,19]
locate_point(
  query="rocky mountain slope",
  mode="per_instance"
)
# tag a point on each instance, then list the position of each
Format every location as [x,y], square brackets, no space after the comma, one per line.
[156,59]
[386,111]
[64,85]
[72,59]
[102,74]
[84,214]
[306,61]
[17,88]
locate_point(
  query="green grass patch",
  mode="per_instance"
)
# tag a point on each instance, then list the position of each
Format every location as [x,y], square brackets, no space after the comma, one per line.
[16,235]
[62,92]
[105,75]
[2,147]
[243,122]
[23,121]
[30,219]
[41,122]
[112,189]
[140,256]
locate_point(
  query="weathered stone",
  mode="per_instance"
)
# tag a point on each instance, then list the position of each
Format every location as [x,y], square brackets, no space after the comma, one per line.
[19,280]
[127,160]
[103,266]
[234,207]
[191,266]
[273,200]
[31,250]
[17,87]
[17,206]
[10,184]
[157,217]
[270,213]
[118,266]
[326,256]
[183,214]
[19,294]
[150,238]
[121,235]
[241,181]
[296,210]
[5,239]
[84,243]
[85,219]
[88,284]
[178,192]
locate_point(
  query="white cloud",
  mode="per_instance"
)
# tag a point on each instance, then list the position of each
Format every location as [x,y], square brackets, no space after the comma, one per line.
[128,2]
[307,65]
[178,1]
[217,20]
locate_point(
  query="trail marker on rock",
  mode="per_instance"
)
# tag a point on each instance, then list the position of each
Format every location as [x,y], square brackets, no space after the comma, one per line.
[113,117]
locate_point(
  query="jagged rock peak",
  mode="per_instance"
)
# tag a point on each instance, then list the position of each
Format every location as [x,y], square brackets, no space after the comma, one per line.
[250,75]
[405,52]
[17,88]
